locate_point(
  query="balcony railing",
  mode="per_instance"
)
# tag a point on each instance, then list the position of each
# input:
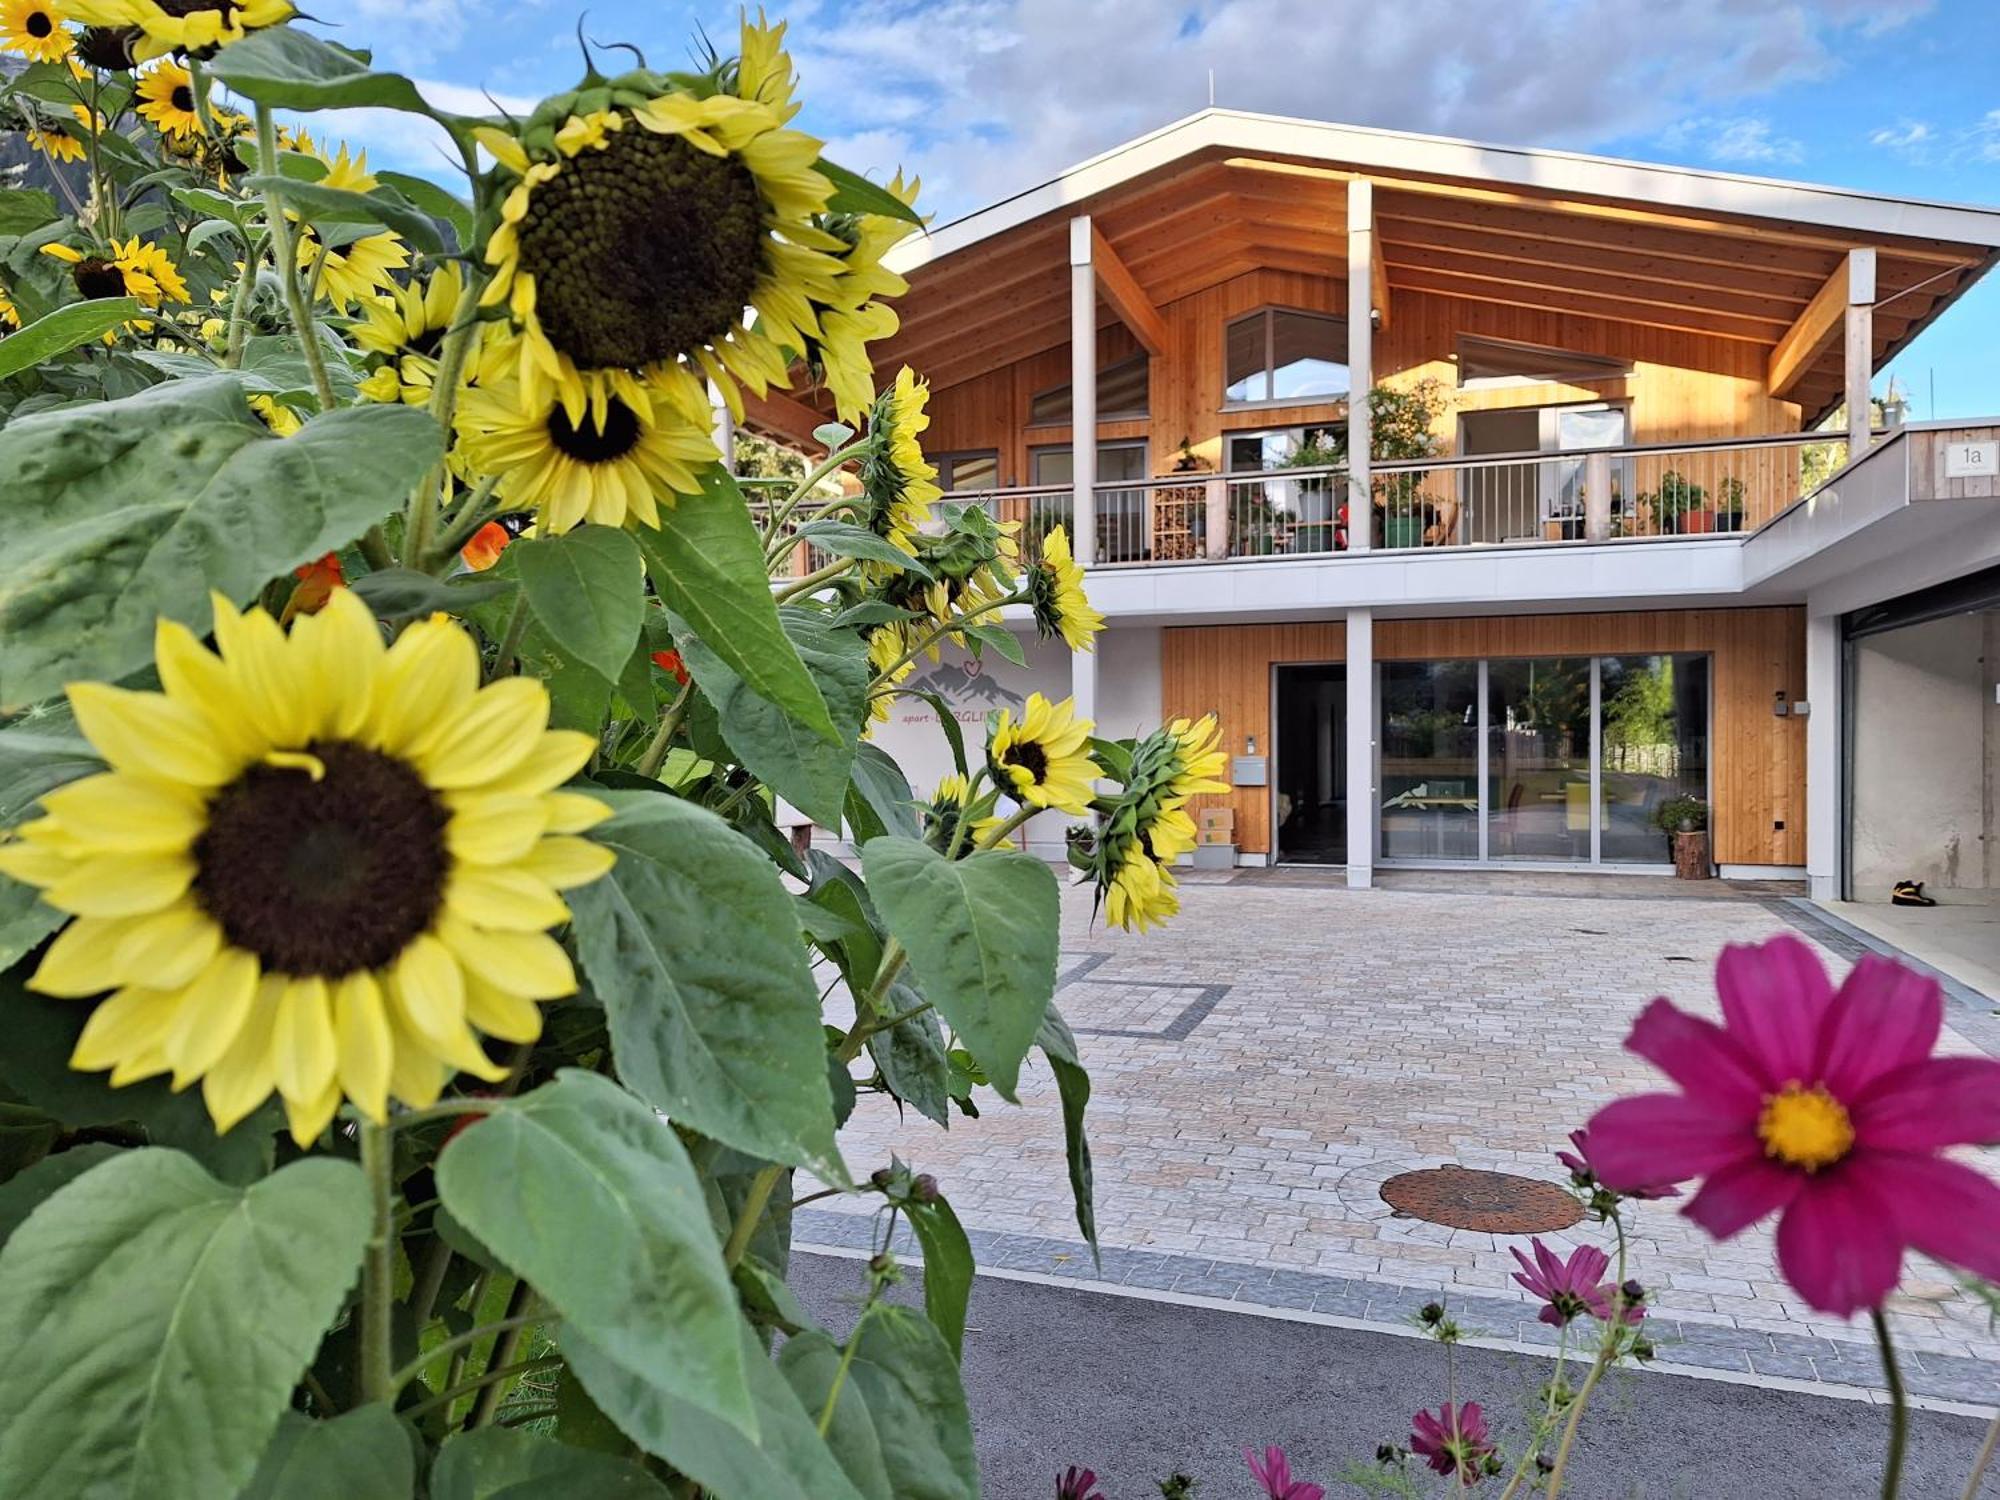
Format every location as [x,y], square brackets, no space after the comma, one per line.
[1642,492]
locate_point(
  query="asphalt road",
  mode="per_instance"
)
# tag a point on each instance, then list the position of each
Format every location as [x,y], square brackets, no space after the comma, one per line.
[1133,1389]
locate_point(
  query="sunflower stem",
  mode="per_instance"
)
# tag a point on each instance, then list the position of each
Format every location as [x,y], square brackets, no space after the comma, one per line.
[814,579]
[804,488]
[510,642]
[451,1394]
[287,266]
[239,302]
[1899,1408]
[378,1290]
[375,547]
[751,1214]
[474,513]
[951,625]
[655,754]
[425,499]
[466,1340]
[521,1303]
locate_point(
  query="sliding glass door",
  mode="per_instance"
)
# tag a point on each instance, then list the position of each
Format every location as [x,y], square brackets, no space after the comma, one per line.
[1539,760]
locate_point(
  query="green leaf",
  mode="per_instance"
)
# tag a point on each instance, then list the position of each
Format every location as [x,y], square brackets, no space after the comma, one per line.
[25,1193]
[26,1136]
[947,1269]
[287,68]
[901,1407]
[32,764]
[124,511]
[497,1463]
[433,200]
[156,1321]
[25,919]
[24,210]
[880,801]
[911,1055]
[981,934]
[708,565]
[364,1453]
[773,746]
[320,204]
[64,329]
[845,539]
[588,591]
[588,1194]
[693,946]
[398,593]
[855,194]
[1073,1085]
[997,638]
[785,1460]
[948,718]
[41,1033]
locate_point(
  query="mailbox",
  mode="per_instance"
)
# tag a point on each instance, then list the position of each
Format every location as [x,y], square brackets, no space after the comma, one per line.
[1248,770]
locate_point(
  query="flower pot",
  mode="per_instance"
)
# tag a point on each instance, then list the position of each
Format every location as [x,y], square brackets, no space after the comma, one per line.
[1402,531]
[1695,522]
[1691,856]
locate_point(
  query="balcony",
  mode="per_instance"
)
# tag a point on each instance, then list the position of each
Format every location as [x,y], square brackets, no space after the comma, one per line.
[1654,493]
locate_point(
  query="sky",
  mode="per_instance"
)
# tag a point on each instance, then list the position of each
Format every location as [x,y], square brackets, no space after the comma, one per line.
[986,97]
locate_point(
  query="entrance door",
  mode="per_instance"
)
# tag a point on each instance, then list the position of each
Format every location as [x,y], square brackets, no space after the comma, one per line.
[1311,776]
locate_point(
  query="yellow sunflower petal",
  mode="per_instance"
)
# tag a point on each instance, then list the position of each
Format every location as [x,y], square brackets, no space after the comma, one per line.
[531,964]
[116,812]
[566,862]
[415,1075]
[511,1018]
[366,1045]
[490,737]
[167,948]
[505,897]
[79,962]
[122,885]
[495,830]
[150,734]
[429,988]
[310,1117]
[244,1077]
[427,678]
[130,1023]
[573,812]
[303,1053]
[213,1009]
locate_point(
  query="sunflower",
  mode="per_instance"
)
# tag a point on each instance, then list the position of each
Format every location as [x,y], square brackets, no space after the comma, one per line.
[58,141]
[132,269]
[34,29]
[404,330]
[9,313]
[363,268]
[316,865]
[633,236]
[1055,593]
[1044,760]
[1141,892]
[899,485]
[604,465]
[948,807]
[859,314]
[1197,759]
[166,97]
[887,646]
[281,419]
[195,26]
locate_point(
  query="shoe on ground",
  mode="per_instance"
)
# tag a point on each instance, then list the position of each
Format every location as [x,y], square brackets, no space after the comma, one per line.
[1910,893]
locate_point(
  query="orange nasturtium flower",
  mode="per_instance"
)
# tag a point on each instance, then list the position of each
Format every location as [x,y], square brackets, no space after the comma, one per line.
[484,550]
[670,662]
[316,583]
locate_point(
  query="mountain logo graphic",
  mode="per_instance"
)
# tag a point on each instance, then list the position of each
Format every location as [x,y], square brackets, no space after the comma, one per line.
[966,683]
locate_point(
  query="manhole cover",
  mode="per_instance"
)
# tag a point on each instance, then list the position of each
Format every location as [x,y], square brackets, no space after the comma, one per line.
[1496,1202]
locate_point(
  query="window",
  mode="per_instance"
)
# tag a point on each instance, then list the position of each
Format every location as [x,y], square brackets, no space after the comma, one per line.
[1287,447]
[967,471]
[1280,355]
[1121,395]
[1117,463]
[1493,363]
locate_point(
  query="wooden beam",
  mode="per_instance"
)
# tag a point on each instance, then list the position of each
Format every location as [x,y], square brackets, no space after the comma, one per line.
[1582,305]
[782,415]
[1812,333]
[1127,298]
[1641,293]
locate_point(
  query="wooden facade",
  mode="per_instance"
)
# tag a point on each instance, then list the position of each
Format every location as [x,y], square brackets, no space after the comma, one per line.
[1757,760]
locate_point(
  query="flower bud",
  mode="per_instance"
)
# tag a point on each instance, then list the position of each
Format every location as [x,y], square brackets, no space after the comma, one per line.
[1432,1314]
[925,1188]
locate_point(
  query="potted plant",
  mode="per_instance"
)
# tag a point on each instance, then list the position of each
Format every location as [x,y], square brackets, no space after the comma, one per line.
[1684,820]
[1323,448]
[1729,504]
[1680,505]
[1403,424]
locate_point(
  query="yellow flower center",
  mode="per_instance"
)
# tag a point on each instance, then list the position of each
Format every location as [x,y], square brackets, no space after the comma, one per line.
[1805,1127]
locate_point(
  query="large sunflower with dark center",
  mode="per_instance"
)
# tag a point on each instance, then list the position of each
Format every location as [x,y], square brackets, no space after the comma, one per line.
[317,865]
[643,251]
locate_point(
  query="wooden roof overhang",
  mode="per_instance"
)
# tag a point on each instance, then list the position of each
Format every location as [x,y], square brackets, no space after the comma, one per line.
[1700,253]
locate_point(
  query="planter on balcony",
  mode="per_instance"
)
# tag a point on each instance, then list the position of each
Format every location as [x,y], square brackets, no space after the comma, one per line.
[1695,522]
[1402,531]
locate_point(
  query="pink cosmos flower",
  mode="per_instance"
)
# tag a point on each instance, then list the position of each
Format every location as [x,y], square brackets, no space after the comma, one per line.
[1568,1288]
[1584,1172]
[1824,1107]
[1078,1484]
[1453,1442]
[1275,1474]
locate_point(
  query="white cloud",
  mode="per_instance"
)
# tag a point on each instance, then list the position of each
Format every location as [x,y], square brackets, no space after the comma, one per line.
[1000,94]
[1910,139]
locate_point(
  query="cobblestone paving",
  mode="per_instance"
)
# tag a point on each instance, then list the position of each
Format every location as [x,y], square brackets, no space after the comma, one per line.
[1266,1062]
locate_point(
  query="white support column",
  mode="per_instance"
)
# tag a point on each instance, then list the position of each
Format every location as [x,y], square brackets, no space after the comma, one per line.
[1361,805]
[1860,347]
[1360,371]
[1083,389]
[1824,813]
[725,428]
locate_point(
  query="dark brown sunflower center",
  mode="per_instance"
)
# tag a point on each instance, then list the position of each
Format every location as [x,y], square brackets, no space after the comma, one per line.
[39,24]
[643,251]
[1030,757]
[591,444]
[183,98]
[428,342]
[108,47]
[329,876]
[99,278]
[177,8]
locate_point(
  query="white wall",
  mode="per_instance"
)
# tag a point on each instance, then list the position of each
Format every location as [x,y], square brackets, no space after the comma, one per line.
[1924,728]
[1128,681]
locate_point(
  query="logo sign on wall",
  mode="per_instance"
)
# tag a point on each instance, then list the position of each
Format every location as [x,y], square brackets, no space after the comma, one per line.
[968,688]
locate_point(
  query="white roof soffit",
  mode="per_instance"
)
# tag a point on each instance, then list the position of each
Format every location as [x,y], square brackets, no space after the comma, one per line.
[1393,153]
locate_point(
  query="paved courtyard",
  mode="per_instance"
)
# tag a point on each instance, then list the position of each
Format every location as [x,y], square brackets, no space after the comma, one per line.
[1263,1065]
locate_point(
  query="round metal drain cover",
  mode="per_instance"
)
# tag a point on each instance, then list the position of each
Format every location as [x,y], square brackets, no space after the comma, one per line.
[1496,1202]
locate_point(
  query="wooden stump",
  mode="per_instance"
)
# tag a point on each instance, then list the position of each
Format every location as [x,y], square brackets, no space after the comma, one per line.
[1691,856]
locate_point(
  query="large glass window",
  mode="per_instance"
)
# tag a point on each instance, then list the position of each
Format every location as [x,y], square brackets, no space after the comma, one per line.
[1538,759]
[1122,394]
[1280,355]
[967,471]
[1430,767]
[1654,735]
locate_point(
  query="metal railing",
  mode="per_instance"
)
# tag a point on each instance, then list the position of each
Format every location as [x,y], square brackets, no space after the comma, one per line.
[1630,493]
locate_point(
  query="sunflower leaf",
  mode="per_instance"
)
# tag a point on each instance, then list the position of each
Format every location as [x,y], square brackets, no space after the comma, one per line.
[499,1463]
[330,205]
[363,1452]
[855,194]
[287,68]
[587,588]
[845,539]
[692,944]
[124,511]
[981,934]
[24,210]
[947,1269]
[399,593]
[585,1191]
[433,200]
[156,1321]
[1058,1044]
[63,330]
[707,563]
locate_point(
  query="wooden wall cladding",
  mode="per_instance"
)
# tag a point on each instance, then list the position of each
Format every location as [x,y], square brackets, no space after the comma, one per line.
[1758,761]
